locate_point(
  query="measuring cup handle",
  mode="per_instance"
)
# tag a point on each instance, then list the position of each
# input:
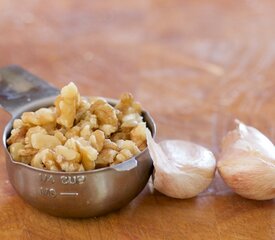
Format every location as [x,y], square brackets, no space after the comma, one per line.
[19,87]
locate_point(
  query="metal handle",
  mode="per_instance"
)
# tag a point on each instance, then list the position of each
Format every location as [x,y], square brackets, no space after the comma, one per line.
[18,87]
[126,166]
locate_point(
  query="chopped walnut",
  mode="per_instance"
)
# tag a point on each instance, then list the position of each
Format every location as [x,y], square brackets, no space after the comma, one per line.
[59,134]
[27,153]
[51,164]
[89,119]
[21,153]
[123,155]
[106,116]
[88,154]
[32,131]
[127,150]
[131,120]
[107,129]
[125,135]
[73,132]
[17,135]
[41,117]
[129,111]
[86,126]
[71,143]
[68,166]
[138,136]
[128,144]
[45,159]
[105,158]
[67,153]
[83,108]
[127,105]
[107,155]
[17,123]
[66,105]
[14,150]
[68,159]
[78,134]
[50,127]
[86,132]
[97,140]
[40,141]
[111,145]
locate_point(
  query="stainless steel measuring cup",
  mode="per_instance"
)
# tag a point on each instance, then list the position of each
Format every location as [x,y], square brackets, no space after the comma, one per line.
[81,194]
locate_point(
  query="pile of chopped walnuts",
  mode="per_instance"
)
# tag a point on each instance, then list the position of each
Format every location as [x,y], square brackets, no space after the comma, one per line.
[77,134]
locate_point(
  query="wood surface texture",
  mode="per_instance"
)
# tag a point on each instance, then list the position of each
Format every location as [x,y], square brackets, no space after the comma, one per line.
[195,65]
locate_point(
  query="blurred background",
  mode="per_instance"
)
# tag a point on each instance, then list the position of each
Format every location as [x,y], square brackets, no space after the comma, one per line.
[193,64]
[196,65]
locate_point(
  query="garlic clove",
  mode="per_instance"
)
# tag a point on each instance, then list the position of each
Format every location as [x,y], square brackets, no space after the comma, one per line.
[247,163]
[182,169]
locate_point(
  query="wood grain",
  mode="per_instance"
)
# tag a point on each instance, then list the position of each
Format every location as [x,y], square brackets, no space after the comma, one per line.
[195,65]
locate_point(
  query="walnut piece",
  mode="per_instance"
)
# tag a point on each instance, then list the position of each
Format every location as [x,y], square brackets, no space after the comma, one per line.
[17,135]
[127,105]
[109,144]
[107,155]
[32,131]
[138,136]
[105,158]
[14,150]
[129,111]
[87,152]
[83,108]
[69,160]
[106,116]
[97,140]
[40,141]
[66,105]
[40,117]
[127,150]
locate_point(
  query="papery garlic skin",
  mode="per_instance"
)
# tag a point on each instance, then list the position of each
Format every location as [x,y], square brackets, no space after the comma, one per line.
[247,163]
[182,169]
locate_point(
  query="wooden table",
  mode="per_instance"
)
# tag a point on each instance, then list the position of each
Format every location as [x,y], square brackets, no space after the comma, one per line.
[195,65]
